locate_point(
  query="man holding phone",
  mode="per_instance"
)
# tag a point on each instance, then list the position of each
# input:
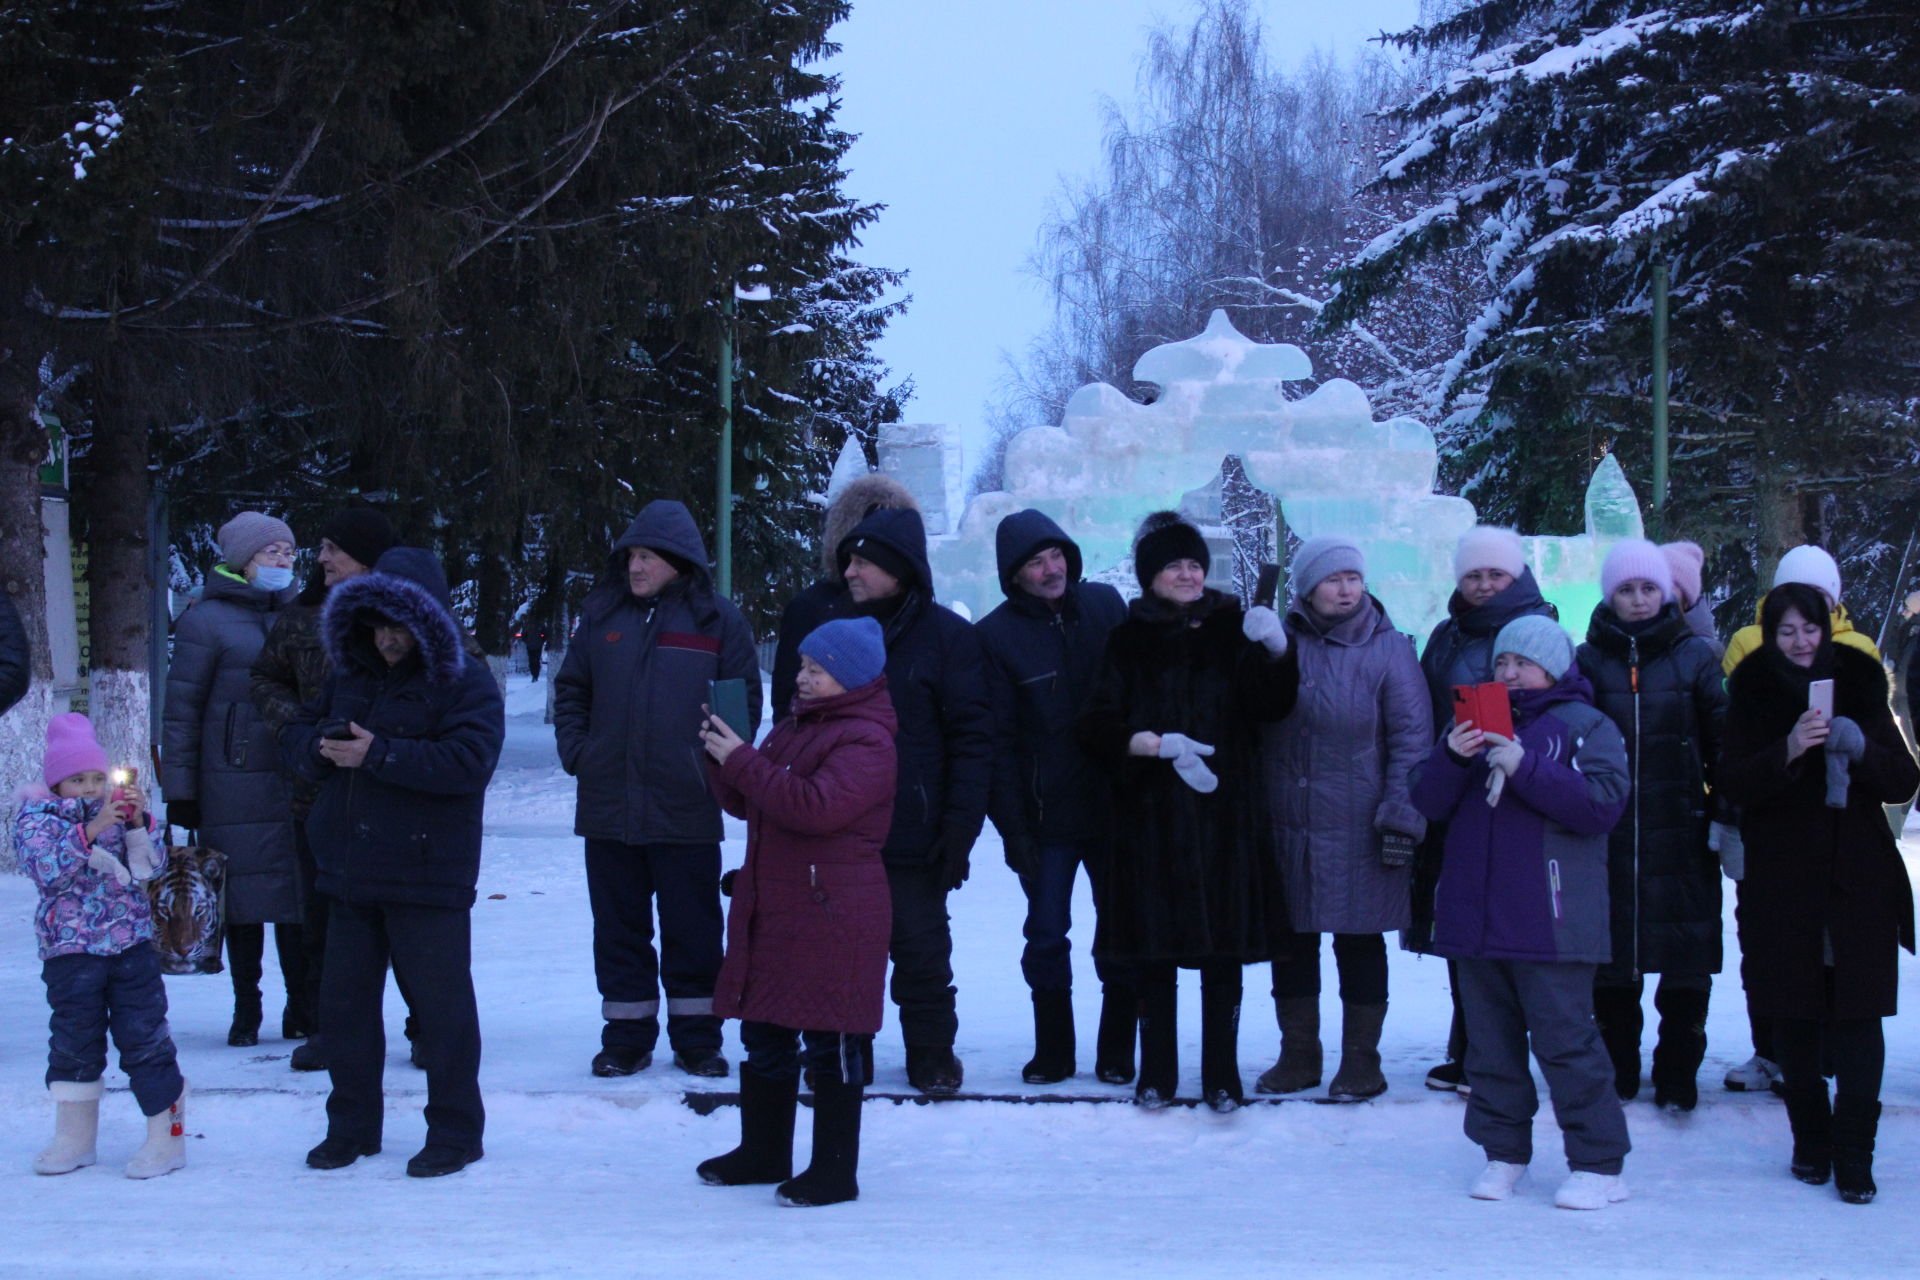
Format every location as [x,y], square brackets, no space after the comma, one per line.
[654,644]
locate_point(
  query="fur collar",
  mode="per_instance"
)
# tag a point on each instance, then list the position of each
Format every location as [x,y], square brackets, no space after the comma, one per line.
[349,637]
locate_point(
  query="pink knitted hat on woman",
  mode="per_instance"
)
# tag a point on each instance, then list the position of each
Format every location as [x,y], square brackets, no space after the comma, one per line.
[71,749]
[1635,558]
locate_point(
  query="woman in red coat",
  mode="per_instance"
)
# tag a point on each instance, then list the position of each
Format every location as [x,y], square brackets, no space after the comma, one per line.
[807,932]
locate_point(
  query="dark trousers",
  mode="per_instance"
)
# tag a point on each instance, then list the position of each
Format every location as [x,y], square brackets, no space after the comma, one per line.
[1509,1004]
[246,953]
[313,937]
[1854,1049]
[1360,957]
[91,995]
[922,952]
[1760,1028]
[779,1053]
[431,948]
[1047,961]
[623,880]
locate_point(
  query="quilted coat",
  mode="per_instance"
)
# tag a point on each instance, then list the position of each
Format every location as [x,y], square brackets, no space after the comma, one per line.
[808,926]
[217,750]
[1338,768]
[1661,686]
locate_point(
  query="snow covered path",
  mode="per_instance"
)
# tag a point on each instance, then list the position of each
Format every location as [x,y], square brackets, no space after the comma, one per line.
[594,1177]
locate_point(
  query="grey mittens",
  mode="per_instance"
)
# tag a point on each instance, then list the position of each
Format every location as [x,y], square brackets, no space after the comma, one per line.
[1186,756]
[1396,849]
[1263,626]
[1845,744]
[1724,839]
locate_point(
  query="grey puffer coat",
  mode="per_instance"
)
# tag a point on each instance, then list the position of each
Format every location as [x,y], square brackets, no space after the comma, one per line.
[1339,767]
[217,750]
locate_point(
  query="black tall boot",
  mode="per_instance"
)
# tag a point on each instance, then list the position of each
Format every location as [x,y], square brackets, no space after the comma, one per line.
[1856,1121]
[1616,1010]
[831,1177]
[1053,1043]
[246,944]
[1359,1076]
[1159,1044]
[1119,1022]
[765,1153]
[1220,1039]
[1812,1119]
[1680,1048]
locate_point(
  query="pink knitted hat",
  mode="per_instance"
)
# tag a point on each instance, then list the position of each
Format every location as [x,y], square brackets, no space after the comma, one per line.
[71,749]
[1686,560]
[1635,558]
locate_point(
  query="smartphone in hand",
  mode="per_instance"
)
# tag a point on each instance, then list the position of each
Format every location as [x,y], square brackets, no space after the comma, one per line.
[1489,707]
[727,700]
[1820,698]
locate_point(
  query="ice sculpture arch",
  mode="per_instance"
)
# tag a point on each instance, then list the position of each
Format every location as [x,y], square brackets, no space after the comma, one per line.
[1331,466]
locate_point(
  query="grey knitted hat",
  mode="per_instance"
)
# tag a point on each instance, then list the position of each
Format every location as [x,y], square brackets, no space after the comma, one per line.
[242,537]
[1538,639]
[1319,559]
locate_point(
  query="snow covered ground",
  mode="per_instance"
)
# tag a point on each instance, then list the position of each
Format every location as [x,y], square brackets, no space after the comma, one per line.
[595,1177]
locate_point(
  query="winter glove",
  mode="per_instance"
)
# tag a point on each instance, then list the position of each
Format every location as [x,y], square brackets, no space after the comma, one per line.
[143,859]
[1186,756]
[104,864]
[1504,754]
[951,855]
[1845,744]
[726,883]
[1023,855]
[1396,849]
[1724,839]
[184,813]
[1263,626]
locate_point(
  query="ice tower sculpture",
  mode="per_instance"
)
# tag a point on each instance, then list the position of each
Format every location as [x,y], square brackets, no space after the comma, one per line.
[1332,467]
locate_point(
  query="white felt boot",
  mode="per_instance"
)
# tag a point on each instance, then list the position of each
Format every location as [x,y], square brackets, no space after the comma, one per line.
[166,1146]
[76,1124]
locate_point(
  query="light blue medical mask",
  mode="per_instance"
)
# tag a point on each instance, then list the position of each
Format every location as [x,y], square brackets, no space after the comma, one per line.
[273,577]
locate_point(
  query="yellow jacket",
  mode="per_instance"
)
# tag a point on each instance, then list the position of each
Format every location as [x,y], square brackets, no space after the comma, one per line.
[1747,639]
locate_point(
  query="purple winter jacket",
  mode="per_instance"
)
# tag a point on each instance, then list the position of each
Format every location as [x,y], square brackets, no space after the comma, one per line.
[1527,879]
[808,927]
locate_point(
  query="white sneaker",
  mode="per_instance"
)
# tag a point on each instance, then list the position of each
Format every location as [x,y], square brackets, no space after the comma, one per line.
[1584,1190]
[1755,1075]
[76,1124]
[166,1145]
[1497,1181]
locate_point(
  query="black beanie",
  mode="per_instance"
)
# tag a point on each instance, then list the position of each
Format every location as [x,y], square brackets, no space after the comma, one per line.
[870,548]
[1164,538]
[362,533]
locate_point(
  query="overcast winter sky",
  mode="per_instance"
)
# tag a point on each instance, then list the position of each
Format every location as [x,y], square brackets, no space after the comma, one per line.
[969,112]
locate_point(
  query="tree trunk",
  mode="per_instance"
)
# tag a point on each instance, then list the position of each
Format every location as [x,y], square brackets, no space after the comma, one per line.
[23,447]
[1777,522]
[118,492]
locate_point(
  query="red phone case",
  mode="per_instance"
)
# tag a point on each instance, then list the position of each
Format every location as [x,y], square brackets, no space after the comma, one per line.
[1489,706]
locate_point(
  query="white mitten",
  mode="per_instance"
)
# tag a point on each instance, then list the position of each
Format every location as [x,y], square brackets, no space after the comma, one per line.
[143,859]
[1504,754]
[1264,626]
[1724,839]
[104,863]
[1186,756]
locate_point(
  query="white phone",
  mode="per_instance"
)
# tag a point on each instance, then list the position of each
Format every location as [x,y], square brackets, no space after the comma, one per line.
[1820,697]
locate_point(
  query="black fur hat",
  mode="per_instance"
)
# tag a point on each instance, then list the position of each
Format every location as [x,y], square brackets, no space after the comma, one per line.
[1165,536]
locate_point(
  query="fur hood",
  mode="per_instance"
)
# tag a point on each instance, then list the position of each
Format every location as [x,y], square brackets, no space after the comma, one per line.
[875,491]
[407,586]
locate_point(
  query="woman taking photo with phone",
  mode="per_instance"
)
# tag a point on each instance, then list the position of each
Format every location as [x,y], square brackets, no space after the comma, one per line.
[1826,904]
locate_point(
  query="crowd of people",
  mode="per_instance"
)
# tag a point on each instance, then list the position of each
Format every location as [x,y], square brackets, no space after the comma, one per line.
[1553,817]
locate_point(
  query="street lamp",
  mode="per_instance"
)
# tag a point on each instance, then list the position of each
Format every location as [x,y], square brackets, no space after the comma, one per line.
[723,474]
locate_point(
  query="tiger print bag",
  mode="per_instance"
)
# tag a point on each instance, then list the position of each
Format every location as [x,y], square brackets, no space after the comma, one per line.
[189,909]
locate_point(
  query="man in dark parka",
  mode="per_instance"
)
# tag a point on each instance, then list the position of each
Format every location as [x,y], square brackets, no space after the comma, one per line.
[1050,802]
[403,743]
[936,677]
[627,707]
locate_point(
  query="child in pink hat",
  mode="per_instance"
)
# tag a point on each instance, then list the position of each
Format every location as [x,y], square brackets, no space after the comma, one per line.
[84,838]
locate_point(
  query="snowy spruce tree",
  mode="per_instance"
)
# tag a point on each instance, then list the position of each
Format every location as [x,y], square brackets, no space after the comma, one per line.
[1769,153]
